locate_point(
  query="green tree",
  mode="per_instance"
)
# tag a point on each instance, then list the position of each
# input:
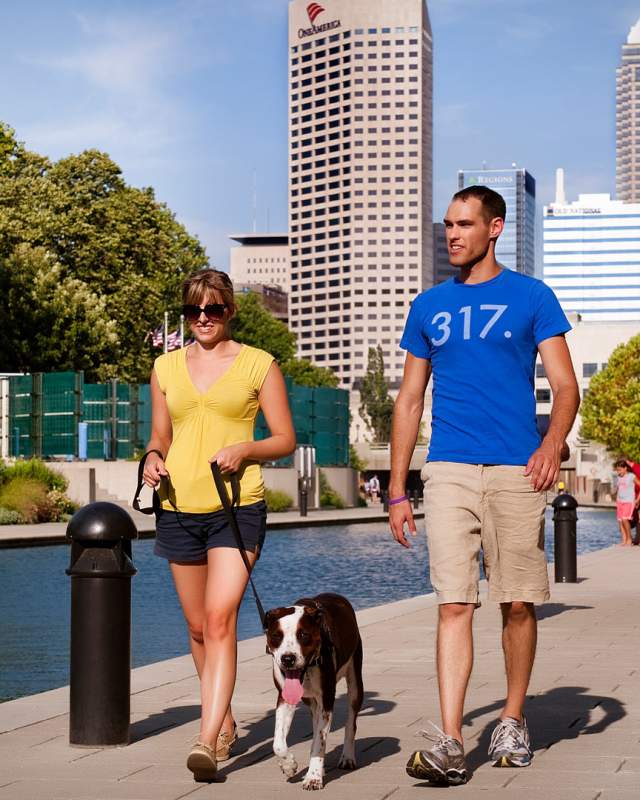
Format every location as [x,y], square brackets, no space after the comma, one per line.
[117,258]
[376,405]
[611,410]
[256,326]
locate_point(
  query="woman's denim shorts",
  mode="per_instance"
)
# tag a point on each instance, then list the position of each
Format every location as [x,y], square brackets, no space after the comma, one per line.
[181,536]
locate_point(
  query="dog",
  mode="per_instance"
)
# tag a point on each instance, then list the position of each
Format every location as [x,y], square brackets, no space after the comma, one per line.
[314,644]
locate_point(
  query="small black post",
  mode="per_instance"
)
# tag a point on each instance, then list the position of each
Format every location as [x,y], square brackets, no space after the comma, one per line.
[565,520]
[303,496]
[416,499]
[385,500]
[100,670]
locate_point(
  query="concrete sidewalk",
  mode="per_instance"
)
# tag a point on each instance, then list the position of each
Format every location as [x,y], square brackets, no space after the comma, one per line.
[583,712]
[47,533]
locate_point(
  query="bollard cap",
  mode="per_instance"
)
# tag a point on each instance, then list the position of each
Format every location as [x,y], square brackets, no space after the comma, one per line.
[565,501]
[101,522]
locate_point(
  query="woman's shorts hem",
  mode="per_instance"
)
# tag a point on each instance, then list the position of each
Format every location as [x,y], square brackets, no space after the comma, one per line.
[187,537]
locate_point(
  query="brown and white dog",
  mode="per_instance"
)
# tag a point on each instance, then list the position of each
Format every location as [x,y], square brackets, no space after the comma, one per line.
[314,644]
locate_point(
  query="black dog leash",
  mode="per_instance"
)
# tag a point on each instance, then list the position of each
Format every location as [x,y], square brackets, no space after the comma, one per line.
[227,505]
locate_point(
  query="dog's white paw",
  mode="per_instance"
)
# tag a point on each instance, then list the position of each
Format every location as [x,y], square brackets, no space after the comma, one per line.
[312,783]
[289,765]
[346,763]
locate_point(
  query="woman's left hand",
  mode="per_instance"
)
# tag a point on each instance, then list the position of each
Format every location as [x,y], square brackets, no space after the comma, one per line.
[230,458]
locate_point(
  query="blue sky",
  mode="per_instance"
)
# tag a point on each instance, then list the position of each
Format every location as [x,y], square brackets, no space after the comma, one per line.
[190,96]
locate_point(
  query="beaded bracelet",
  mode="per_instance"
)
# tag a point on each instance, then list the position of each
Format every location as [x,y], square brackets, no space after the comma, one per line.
[397,500]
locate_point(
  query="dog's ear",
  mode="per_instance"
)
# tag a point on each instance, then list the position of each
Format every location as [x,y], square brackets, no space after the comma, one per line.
[277,613]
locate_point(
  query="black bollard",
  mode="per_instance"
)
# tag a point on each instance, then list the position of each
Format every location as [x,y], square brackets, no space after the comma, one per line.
[303,496]
[416,500]
[385,501]
[565,520]
[100,672]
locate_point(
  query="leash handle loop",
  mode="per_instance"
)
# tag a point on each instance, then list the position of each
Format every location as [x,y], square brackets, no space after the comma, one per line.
[136,500]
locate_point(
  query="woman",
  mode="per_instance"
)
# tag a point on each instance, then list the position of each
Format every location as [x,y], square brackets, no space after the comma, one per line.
[205,398]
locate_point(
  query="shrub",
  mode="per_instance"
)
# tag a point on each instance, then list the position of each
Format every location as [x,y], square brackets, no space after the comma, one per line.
[277,500]
[38,471]
[9,517]
[328,495]
[61,506]
[28,497]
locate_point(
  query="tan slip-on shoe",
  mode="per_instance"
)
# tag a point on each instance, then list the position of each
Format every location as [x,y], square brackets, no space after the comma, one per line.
[225,744]
[202,762]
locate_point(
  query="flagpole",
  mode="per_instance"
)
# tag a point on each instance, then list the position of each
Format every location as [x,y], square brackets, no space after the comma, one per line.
[181,330]
[166,331]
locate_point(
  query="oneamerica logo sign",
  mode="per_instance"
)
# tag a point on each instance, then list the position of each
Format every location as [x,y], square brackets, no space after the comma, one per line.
[313,11]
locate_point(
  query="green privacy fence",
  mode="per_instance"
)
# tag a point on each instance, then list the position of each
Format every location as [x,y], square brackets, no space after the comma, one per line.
[46,408]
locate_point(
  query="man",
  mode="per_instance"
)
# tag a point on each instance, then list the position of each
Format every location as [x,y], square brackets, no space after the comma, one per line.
[487,470]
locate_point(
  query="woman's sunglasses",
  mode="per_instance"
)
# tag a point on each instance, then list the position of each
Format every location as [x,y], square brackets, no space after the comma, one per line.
[211,311]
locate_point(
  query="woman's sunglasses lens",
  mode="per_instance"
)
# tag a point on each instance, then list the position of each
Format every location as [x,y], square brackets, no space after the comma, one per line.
[191,312]
[214,310]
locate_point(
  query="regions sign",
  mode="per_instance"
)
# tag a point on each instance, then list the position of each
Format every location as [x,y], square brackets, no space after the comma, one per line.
[489,179]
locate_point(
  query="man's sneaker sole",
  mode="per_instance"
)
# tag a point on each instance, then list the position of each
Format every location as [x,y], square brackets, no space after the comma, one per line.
[420,768]
[506,761]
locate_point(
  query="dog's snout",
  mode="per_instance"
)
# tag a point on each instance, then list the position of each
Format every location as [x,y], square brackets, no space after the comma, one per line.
[288,660]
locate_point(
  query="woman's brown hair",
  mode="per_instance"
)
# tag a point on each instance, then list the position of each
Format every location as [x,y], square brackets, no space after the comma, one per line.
[202,284]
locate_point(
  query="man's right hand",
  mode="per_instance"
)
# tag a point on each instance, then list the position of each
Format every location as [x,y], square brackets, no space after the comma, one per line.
[399,515]
[154,469]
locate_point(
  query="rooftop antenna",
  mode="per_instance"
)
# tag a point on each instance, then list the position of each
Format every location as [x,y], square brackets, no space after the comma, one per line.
[484,165]
[268,223]
[560,195]
[255,199]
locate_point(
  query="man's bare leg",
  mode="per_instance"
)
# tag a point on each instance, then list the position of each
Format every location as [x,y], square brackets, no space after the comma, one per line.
[454,656]
[519,638]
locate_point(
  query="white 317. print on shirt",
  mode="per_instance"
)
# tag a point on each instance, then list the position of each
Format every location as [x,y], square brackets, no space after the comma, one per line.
[442,321]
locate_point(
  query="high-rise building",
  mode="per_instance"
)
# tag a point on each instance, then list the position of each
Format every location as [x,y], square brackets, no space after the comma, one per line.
[360,177]
[516,247]
[628,119]
[592,255]
[442,269]
[263,258]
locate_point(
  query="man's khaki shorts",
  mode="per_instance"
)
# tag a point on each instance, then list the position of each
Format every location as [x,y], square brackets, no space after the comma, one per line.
[469,506]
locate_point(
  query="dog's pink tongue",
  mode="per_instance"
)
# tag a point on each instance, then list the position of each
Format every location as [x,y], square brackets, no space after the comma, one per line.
[292,691]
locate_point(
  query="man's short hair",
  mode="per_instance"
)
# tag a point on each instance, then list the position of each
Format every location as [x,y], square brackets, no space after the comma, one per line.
[493,204]
[621,463]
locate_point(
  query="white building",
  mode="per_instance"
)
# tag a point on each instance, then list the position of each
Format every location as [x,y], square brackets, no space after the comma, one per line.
[360,177]
[262,258]
[592,255]
[590,345]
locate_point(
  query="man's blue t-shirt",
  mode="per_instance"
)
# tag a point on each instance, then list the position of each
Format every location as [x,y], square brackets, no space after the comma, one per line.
[482,340]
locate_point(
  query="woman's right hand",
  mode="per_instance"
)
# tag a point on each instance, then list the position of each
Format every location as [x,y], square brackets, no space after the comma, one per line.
[154,469]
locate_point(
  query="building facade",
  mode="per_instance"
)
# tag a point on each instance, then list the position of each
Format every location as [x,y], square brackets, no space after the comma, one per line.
[360,177]
[262,258]
[516,247]
[442,269]
[628,119]
[592,256]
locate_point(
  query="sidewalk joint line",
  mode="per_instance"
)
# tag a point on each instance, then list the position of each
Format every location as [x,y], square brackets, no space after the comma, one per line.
[135,772]
[388,794]
[622,763]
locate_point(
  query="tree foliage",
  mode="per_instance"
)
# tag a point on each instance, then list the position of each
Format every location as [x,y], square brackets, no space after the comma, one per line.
[376,404]
[88,265]
[254,325]
[611,409]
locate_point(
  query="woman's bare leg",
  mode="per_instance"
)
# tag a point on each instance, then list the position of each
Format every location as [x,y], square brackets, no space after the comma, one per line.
[227,579]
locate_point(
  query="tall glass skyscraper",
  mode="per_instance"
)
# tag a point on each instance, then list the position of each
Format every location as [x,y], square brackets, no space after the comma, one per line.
[516,248]
[628,119]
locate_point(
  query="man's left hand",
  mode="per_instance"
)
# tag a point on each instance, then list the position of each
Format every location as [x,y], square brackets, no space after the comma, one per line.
[544,465]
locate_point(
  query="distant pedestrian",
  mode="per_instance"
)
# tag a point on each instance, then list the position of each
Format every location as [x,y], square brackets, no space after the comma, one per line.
[367,490]
[635,522]
[626,500]
[374,488]
[487,470]
[205,398]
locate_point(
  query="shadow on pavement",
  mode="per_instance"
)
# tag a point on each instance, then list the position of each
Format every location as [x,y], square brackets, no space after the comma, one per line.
[256,741]
[553,716]
[163,721]
[553,609]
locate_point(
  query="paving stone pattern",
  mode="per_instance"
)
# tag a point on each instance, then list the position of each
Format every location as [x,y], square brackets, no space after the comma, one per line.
[583,712]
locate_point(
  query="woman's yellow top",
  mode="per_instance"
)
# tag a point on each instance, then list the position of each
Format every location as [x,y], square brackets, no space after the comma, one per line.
[204,423]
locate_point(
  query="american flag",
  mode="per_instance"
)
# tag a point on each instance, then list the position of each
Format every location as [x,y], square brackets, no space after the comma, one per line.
[173,341]
[157,336]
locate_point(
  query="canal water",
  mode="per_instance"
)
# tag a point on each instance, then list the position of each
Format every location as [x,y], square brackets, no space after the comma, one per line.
[360,561]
